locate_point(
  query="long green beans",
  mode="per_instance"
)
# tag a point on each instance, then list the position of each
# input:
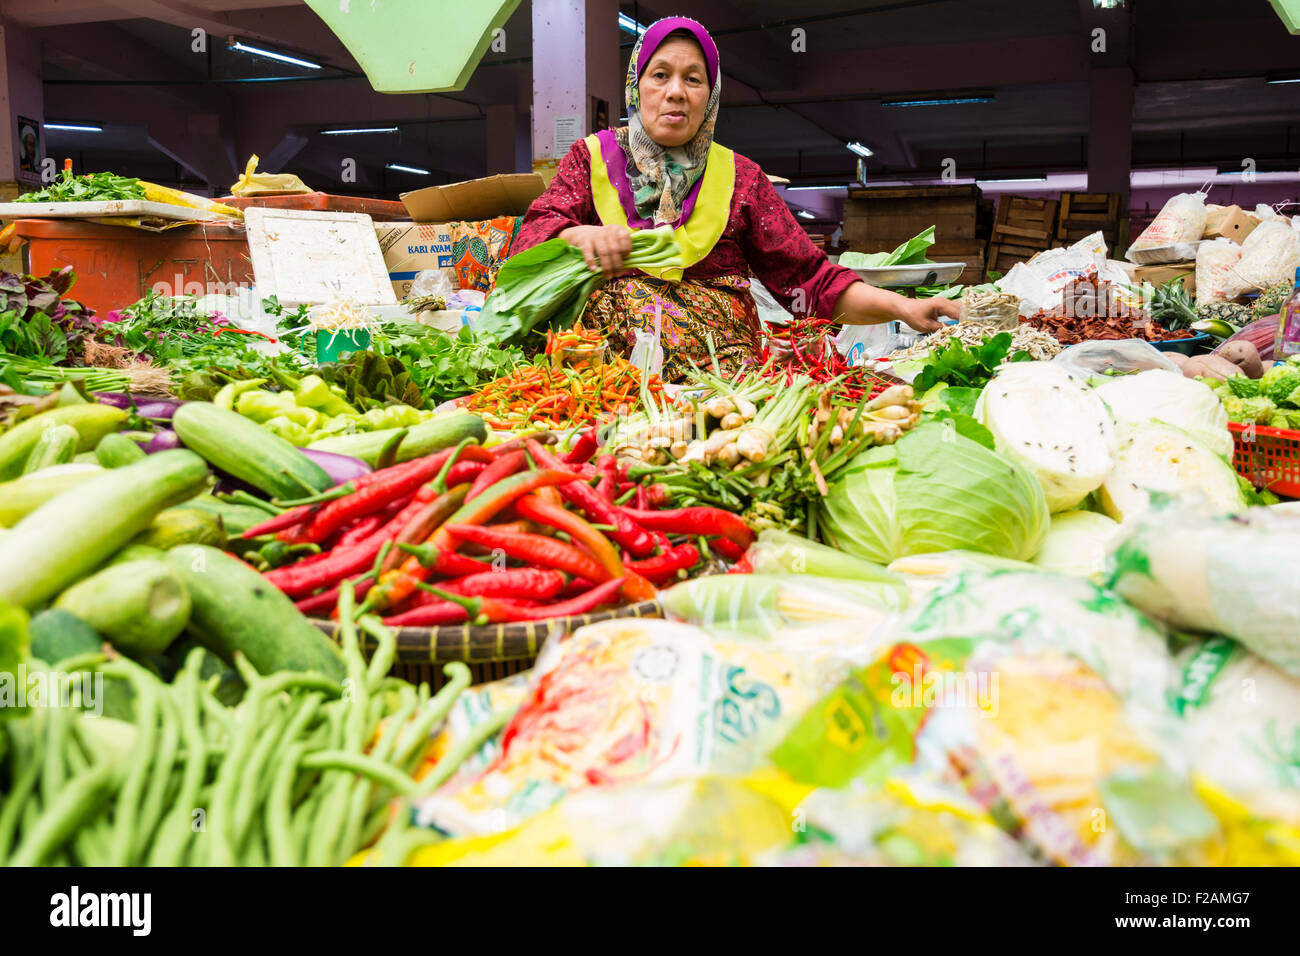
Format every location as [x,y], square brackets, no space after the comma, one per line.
[304,771]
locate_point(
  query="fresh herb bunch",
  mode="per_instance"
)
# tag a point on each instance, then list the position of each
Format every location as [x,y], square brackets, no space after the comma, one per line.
[955,364]
[37,322]
[93,187]
[444,366]
[371,380]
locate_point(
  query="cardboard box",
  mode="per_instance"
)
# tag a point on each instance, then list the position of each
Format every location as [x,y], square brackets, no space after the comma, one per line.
[410,247]
[1228,222]
[507,194]
[1167,272]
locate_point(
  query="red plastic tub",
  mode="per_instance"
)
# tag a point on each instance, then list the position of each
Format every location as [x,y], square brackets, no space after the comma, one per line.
[116,265]
[1267,457]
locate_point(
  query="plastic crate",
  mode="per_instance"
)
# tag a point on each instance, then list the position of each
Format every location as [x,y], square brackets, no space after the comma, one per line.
[1267,457]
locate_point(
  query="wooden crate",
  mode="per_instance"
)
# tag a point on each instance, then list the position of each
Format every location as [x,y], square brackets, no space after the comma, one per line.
[1082,214]
[969,251]
[1002,256]
[1025,221]
[885,217]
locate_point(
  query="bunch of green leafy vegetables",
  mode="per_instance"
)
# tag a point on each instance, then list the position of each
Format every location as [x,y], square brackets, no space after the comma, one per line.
[93,187]
[954,364]
[37,322]
[442,365]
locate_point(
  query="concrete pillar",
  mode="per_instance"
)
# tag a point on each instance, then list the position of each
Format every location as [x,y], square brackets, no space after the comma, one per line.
[21,97]
[1110,130]
[575,62]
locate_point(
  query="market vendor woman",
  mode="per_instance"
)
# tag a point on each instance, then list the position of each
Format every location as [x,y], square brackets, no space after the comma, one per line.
[665,168]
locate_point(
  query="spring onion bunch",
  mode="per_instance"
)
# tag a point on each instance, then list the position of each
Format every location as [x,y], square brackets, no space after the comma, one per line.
[549,284]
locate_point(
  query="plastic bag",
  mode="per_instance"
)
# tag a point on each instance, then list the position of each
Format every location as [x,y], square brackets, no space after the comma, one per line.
[1270,254]
[432,282]
[1216,260]
[1180,222]
[770,312]
[633,700]
[648,349]
[1238,576]
[253,183]
[863,344]
[1097,361]
[1040,282]
[1000,309]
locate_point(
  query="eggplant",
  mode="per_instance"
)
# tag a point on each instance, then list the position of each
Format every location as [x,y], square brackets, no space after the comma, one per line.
[340,468]
[157,410]
[164,440]
[116,399]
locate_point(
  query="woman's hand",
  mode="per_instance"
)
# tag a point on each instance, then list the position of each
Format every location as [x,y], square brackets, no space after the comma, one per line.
[862,304]
[924,315]
[603,247]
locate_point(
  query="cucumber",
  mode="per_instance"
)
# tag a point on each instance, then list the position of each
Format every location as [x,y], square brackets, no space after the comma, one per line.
[230,686]
[58,634]
[236,518]
[137,552]
[140,606]
[22,496]
[183,525]
[70,535]
[92,423]
[56,446]
[423,439]
[115,450]
[236,609]
[248,451]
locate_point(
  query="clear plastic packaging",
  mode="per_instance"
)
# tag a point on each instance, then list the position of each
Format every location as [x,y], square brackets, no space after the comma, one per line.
[1099,360]
[1181,221]
[1270,254]
[1215,262]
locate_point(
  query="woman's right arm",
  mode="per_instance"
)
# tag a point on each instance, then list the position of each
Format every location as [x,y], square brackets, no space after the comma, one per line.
[565,204]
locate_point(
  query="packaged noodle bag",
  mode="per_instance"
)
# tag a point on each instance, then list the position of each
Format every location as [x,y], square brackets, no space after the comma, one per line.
[633,700]
[1038,740]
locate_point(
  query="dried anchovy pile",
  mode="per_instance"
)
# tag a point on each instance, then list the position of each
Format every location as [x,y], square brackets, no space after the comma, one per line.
[1040,345]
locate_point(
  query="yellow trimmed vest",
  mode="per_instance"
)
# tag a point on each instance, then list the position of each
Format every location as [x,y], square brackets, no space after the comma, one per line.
[701,232]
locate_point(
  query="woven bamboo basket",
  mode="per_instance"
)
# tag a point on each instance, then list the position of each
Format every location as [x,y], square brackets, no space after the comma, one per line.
[492,652]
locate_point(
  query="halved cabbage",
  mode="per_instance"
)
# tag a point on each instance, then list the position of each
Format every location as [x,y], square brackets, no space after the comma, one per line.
[1078,543]
[1157,395]
[1160,458]
[1053,424]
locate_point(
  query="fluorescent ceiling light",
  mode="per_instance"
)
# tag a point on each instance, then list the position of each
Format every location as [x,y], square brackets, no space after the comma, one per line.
[1014,179]
[74,127]
[272,55]
[1284,78]
[1107,4]
[863,151]
[408,169]
[941,100]
[805,214]
[366,129]
[631,26]
[841,186]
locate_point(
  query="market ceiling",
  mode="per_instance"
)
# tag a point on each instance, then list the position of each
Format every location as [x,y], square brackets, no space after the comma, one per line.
[1200,96]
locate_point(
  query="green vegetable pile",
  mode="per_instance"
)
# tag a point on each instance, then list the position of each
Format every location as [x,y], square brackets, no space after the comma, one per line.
[548,285]
[954,364]
[287,778]
[1272,400]
[93,187]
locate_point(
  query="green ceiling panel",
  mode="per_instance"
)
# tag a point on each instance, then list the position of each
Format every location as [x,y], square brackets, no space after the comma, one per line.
[1289,11]
[415,46]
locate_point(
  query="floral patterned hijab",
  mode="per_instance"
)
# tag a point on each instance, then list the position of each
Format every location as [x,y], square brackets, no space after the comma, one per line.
[661,177]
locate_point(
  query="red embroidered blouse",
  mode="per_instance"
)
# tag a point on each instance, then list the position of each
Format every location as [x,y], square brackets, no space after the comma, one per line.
[761,237]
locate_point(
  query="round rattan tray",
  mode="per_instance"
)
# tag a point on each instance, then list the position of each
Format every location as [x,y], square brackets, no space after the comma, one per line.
[492,642]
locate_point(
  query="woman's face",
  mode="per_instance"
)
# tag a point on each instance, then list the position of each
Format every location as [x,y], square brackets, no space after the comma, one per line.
[674,92]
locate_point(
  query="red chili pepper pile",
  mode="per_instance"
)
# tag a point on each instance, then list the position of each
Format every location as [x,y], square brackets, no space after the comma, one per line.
[805,347]
[488,536]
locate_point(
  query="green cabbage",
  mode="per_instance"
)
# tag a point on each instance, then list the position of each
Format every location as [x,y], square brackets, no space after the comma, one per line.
[1077,543]
[1161,459]
[1159,395]
[1052,423]
[935,490]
